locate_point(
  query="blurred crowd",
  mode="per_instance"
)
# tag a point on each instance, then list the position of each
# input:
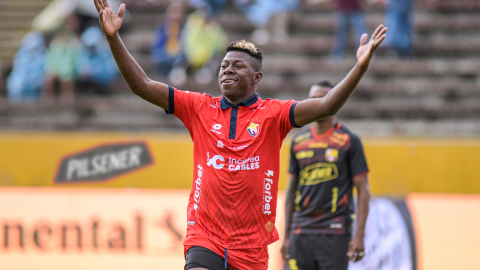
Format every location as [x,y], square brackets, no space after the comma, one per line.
[71,58]
[67,55]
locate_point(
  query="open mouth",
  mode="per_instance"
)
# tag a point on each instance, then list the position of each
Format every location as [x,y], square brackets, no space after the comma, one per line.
[228,81]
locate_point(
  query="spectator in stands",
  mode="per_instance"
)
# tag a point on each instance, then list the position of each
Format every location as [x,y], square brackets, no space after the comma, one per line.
[167,51]
[203,38]
[213,7]
[25,82]
[398,19]
[349,12]
[95,65]
[260,13]
[62,62]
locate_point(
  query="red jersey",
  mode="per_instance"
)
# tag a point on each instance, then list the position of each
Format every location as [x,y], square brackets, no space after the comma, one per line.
[236,167]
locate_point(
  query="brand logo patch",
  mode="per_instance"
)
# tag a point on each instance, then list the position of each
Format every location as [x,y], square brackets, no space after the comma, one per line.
[304,154]
[217,126]
[267,194]
[198,188]
[218,162]
[103,162]
[331,155]
[214,161]
[253,129]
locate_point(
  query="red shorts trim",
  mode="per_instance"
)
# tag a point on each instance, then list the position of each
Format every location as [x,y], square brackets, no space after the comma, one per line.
[244,259]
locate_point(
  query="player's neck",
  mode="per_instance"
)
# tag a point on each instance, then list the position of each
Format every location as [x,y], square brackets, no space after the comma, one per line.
[237,100]
[324,125]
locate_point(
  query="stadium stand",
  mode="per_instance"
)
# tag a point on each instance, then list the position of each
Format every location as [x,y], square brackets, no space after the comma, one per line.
[436,92]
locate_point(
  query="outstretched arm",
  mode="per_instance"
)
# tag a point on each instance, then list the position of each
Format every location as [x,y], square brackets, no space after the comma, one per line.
[136,79]
[314,109]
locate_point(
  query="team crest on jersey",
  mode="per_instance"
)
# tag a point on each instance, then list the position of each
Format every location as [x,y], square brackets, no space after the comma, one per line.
[331,155]
[253,129]
[269,226]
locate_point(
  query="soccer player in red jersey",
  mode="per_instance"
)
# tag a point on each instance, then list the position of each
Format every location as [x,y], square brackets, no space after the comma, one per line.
[237,139]
[326,163]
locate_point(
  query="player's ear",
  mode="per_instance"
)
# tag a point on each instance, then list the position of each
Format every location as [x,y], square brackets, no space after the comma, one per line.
[257,76]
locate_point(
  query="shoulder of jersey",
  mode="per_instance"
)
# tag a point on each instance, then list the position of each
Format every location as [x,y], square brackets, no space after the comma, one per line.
[345,129]
[303,135]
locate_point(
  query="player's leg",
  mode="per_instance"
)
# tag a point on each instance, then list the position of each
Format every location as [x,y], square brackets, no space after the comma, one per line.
[199,258]
[301,253]
[332,251]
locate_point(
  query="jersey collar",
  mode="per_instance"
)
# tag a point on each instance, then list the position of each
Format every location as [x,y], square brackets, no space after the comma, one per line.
[335,126]
[224,104]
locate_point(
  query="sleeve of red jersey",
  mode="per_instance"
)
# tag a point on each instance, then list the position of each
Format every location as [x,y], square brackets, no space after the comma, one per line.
[287,118]
[182,104]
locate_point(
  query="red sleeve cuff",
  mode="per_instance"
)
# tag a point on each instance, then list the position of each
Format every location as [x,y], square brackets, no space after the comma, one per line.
[362,174]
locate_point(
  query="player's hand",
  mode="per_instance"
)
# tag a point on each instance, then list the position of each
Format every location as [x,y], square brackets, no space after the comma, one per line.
[366,50]
[285,250]
[356,250]
[109,21]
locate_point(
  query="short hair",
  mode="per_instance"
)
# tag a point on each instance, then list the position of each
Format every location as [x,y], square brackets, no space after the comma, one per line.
[246,47]
[325,83]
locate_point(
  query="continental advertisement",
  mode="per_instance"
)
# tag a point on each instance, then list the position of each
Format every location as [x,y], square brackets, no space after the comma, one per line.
[45,228]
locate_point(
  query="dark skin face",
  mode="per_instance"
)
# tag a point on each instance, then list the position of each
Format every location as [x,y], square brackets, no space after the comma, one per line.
[239,76]
[317,91]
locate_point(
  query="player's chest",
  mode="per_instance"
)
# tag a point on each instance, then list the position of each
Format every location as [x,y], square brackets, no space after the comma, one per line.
[236,125]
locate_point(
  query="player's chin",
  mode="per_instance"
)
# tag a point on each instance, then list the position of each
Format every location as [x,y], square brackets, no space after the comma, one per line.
[228,89]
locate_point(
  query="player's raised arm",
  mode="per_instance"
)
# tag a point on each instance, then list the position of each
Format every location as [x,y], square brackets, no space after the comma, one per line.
[132,73]
[311,110]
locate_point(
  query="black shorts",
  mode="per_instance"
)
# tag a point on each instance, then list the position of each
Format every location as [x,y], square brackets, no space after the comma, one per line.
[204,257]
[319,252]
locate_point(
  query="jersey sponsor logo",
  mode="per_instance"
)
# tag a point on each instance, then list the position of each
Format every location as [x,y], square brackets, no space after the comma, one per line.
[304,154]
[318,145]
[267,193]
[220,144]
[218,162]
[318,173]
[191,223]
[331,154]
[253,129]
[103,162]
[214,161]
[216,131]
[336,225]
[302,137]
[198,189]
[247,164]
[239,147]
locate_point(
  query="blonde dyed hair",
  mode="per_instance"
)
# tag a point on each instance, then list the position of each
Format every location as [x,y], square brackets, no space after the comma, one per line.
[246,47]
